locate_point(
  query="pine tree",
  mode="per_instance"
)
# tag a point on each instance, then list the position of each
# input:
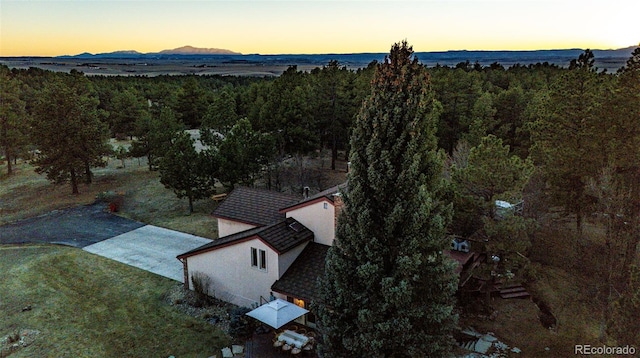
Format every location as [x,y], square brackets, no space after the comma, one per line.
[67,130]
[181,169]
[388,288]
[564,141]
[12,117]
[242,154]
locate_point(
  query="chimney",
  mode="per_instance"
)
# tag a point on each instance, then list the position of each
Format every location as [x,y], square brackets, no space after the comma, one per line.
[305,192]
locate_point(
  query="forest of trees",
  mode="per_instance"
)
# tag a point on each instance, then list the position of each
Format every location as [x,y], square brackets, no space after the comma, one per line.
[565,140]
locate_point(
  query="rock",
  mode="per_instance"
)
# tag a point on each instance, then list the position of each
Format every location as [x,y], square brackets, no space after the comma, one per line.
[516,350]
[226,352]
[489,338]
[237,349]
[482,346]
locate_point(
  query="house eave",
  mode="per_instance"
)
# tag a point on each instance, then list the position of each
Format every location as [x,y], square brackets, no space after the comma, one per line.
[237,220]
[306,203]
[300,297]
[213,248]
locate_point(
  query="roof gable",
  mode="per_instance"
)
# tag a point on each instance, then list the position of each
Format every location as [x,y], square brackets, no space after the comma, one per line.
[254,206]
[280,237]
[325,195]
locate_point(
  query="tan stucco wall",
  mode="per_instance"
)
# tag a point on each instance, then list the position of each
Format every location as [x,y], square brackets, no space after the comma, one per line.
[317,219]
[228,227]
[233,278]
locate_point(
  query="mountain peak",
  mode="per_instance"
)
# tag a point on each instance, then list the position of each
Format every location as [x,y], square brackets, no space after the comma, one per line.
[190,50]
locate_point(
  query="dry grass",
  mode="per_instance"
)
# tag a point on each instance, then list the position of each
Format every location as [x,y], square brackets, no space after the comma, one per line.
[83,305]
[88,306]
[26,194]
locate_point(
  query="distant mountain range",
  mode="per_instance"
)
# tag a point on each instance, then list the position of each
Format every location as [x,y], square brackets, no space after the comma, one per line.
[611,59]
[184,50]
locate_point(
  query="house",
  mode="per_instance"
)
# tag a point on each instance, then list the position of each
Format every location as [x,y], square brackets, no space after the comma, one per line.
[271,244]
[274,245]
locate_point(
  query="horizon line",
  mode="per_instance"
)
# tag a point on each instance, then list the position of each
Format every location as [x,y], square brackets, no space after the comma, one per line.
[308,54]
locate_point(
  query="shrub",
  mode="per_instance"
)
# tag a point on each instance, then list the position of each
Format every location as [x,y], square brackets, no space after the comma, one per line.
[239,324]
[202,285]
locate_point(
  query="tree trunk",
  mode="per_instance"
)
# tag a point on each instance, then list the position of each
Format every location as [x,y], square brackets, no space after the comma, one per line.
[7,150]
[334,151]
[74,182]
[190,204]
[88,174]
[579,223]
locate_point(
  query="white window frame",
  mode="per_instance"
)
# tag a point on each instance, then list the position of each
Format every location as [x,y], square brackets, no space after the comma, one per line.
[258,259]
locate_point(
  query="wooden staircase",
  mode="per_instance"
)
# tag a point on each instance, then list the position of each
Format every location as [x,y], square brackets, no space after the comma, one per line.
[513,291]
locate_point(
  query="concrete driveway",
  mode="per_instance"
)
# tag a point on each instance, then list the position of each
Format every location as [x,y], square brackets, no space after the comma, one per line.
[95,230]
[150,248]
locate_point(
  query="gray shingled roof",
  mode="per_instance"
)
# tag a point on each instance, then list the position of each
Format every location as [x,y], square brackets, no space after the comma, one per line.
[281,236]
[254,206]
[300,279]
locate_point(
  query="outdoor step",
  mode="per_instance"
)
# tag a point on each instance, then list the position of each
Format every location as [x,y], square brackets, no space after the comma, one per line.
[513,290]
[515,295]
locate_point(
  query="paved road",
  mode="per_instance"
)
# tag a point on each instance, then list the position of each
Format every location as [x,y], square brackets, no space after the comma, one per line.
[97,231]
[79,227]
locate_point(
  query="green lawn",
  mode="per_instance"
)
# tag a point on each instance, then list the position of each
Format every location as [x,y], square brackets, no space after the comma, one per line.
[88,306]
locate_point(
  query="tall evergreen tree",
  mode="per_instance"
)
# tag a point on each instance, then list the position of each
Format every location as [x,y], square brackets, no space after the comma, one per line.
[621,123]
[191,103]
[334,105]
[67,131]
[388,289]
[242,154]
[564,140]
[181,169]
[128,107]
[154,134]
[12,117]
[221,114]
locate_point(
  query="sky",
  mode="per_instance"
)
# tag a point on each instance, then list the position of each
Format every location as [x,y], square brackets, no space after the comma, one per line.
[54,27]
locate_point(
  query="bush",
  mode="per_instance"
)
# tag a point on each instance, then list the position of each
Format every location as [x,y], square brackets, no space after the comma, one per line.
[202,287]
[240,325]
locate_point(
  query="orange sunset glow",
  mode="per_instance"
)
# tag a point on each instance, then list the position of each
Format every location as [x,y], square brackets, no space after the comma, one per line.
[52,28]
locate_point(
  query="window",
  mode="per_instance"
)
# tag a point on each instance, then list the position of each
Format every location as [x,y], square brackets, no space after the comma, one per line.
[254,257]
[258,259]
[298,302]
[326,206]
[263,260]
